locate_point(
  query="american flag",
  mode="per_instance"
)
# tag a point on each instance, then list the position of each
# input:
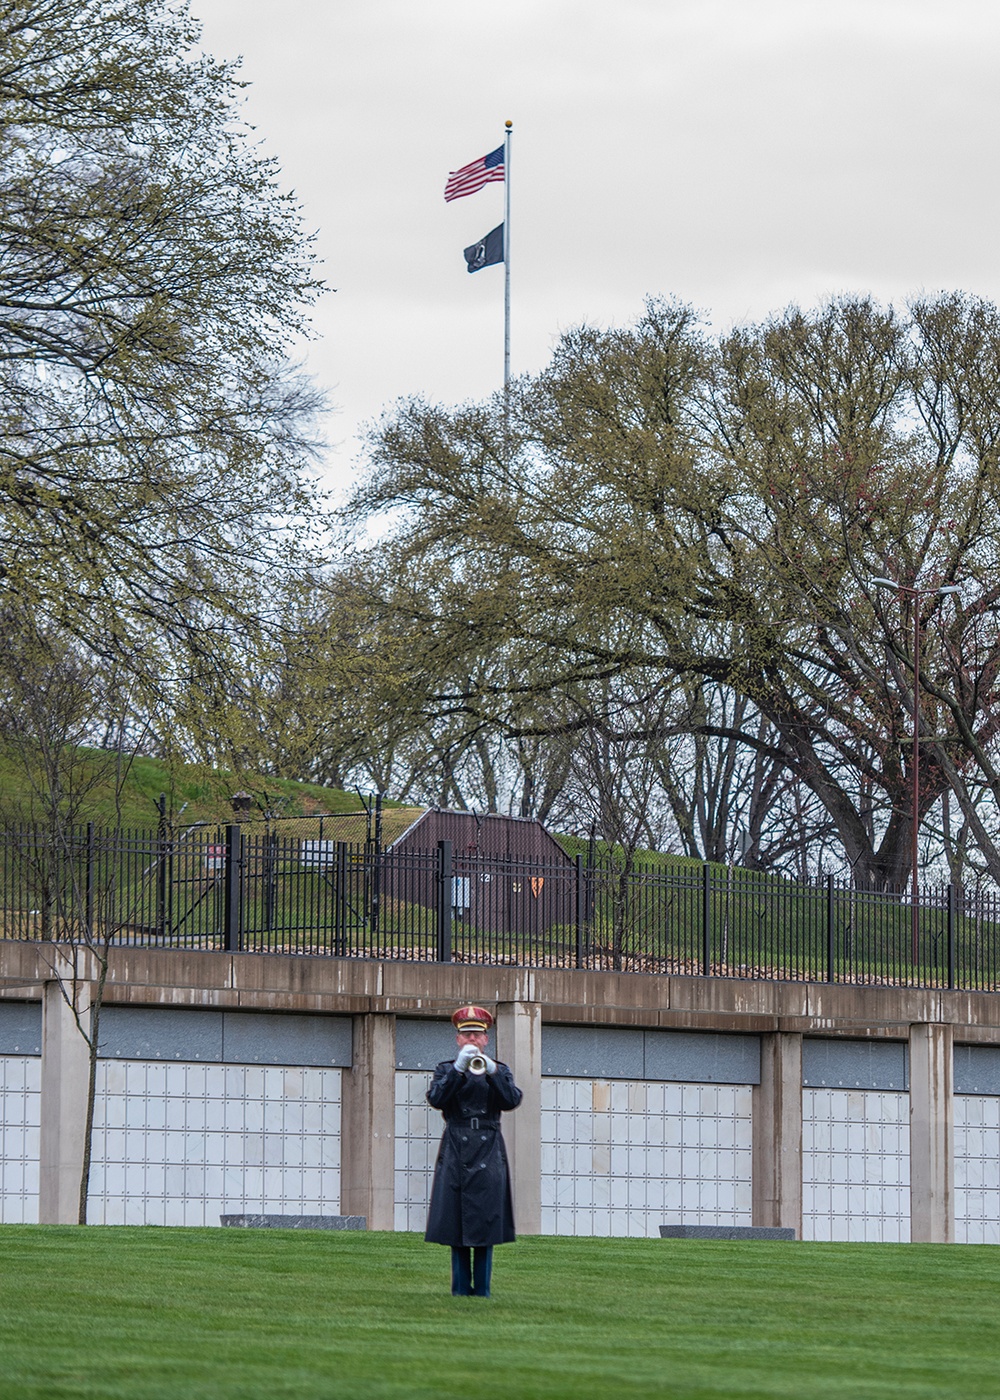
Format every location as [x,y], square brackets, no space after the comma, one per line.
[474,176]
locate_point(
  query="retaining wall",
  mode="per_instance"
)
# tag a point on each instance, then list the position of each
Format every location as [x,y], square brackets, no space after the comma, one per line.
[235,1083]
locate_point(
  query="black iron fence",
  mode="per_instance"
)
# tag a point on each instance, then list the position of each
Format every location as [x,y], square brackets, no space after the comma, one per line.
[268,892]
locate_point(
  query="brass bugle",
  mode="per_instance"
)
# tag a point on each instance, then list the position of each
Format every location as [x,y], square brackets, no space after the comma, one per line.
[477,1065]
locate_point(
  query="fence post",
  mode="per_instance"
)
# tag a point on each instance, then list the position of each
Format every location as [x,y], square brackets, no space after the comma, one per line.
[271,879]
[581,895]
[161,866]
[951,934]
[706,921]
[444,902]
[376,906]
[830,930]
[340,902]
[233,889]
[89,896]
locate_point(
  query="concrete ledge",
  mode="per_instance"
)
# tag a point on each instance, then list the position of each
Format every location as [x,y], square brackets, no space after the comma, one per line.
[278,982]
[726,1232]
[296,1222]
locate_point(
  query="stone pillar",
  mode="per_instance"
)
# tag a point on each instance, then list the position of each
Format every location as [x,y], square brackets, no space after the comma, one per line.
[777,1133]
[932,1135]
[368,1124]
[519,1045]
[64,1089]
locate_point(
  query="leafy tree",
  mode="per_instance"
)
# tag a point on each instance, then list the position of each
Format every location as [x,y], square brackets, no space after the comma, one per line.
[153,278]
[704,513]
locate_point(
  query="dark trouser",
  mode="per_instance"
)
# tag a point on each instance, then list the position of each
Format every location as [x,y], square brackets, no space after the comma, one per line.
[470,1276]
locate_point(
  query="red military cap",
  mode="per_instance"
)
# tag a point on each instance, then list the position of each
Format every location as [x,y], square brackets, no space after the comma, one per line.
[472,1018]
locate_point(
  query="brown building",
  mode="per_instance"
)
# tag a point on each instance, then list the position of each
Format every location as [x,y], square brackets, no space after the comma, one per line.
[508,873]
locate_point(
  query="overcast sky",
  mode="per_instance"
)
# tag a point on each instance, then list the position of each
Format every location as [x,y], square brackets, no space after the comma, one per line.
[736,154]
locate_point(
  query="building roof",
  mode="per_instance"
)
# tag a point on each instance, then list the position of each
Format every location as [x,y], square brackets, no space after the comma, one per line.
[482,833]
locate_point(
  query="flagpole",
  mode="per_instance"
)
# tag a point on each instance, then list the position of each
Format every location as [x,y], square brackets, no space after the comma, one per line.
[506,256]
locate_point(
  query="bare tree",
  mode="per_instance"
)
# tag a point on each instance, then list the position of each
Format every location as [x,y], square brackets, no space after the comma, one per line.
[53,699]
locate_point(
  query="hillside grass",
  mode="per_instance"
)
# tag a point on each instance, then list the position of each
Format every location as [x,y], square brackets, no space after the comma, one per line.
[199,793]
[612,857]
[194,792]
[147,1314]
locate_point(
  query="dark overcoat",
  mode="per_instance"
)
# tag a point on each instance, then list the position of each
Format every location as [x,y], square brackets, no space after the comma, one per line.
[470,1198]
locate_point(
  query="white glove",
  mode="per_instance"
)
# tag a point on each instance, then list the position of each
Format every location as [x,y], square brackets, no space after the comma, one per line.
[491,1065]
[464,1056]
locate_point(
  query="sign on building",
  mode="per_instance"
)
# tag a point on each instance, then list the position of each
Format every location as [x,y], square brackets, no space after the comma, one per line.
[318,855]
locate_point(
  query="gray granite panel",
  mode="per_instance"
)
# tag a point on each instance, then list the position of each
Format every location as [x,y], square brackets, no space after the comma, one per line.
[697,1057]
[854,1064]
[160,1033]
[296,1222]
[268,1038]
[20,1027]
[726,1232]
[422,1044]
[977,1069]
[592,1052]
[692,1057]
[230,1037]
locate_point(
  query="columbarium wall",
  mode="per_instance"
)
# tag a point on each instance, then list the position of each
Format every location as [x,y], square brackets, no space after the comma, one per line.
[236,1083]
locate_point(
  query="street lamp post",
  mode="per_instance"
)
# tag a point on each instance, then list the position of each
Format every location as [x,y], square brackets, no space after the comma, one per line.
[917,594]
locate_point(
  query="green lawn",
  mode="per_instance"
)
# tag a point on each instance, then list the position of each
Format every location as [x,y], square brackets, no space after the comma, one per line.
[244,1315]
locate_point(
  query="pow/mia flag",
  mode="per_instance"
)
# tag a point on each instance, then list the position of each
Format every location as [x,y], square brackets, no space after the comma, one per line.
[487,251]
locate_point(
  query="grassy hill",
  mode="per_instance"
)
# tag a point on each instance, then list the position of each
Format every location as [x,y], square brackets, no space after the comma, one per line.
[199,793]
[193,793]
[605,854]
